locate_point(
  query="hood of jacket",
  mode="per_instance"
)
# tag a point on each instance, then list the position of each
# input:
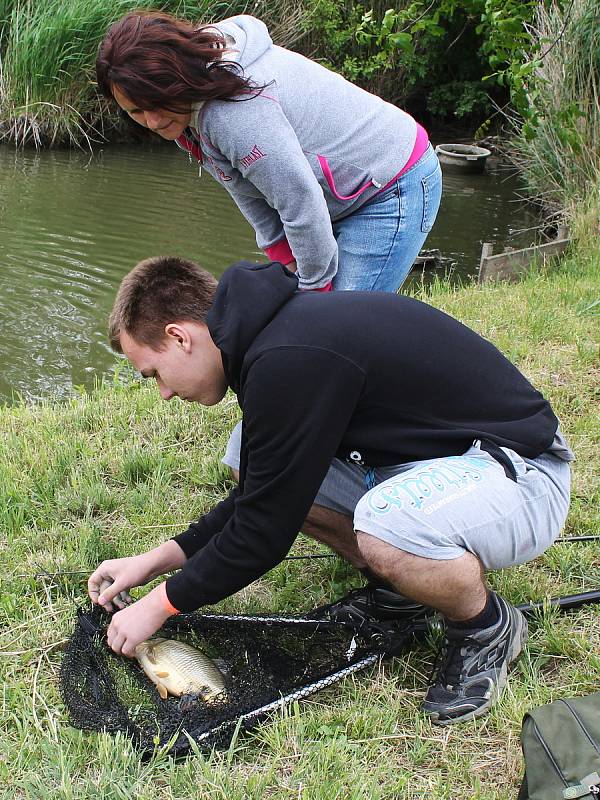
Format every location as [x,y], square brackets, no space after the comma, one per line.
[247,298]
[251,38]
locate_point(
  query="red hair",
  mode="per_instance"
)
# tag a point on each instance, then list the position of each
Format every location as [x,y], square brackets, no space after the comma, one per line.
[160,61]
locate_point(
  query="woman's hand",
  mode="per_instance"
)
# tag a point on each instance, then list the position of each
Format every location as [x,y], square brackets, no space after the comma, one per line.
[111,581]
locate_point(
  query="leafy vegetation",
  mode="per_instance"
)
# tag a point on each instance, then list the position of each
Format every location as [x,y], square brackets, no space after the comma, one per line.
[539,62]
[48,50]
[446,59]
[450,59]
[556,139]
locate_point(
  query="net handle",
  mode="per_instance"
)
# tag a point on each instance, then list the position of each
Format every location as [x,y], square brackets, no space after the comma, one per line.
[297,694]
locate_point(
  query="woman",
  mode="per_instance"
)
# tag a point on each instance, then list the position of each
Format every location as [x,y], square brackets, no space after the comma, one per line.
[339,185]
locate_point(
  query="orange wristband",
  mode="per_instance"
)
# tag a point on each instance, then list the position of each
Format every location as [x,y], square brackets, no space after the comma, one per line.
[167,603]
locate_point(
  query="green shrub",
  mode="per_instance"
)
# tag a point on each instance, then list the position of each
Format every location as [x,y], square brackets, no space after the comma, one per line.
[558,147]
[450,58]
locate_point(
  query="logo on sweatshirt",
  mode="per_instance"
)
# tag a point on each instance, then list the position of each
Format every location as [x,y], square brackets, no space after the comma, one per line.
[254,155]
[218,170]
[222,175]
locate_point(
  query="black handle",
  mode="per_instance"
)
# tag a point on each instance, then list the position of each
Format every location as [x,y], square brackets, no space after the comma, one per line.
[564,603]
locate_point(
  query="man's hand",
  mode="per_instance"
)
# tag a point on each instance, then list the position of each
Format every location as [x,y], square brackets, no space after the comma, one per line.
[112,580]
[137,623]
[119,600]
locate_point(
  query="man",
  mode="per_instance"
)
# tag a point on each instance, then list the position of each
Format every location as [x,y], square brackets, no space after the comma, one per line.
[372,422]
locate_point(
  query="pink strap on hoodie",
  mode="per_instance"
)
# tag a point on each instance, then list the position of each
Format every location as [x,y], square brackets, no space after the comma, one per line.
[421,145]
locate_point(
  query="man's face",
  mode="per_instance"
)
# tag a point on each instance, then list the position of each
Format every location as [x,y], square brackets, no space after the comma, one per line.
[189,366]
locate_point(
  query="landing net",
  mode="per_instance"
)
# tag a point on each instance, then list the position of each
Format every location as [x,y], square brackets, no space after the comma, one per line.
[266,662]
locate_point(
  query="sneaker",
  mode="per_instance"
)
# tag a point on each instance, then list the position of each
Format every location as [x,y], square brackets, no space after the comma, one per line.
[372,603]
[474,667]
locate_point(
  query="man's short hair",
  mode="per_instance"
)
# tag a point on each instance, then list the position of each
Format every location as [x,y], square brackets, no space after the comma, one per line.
[156,292]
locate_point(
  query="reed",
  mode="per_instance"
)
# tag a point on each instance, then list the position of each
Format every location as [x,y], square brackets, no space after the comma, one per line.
[5,13]
[48,49]
[561,162]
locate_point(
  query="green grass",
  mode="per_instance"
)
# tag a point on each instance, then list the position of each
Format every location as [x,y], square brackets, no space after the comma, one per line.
[118,471]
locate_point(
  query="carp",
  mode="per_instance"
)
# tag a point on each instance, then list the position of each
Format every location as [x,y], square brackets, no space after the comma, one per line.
[177,669]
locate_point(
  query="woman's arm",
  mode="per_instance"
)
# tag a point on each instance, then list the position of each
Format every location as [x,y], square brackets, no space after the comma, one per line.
[256,139]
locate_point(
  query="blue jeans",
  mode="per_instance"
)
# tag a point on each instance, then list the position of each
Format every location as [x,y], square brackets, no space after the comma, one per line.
[379,242]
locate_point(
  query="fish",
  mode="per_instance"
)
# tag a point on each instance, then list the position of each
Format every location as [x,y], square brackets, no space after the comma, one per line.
[177,669]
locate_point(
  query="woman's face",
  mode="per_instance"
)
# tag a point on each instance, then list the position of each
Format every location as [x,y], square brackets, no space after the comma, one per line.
[168,124]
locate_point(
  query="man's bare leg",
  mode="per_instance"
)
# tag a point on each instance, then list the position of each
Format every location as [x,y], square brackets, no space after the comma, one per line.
[378,598]
[481,624]
[336,531]
[455,587]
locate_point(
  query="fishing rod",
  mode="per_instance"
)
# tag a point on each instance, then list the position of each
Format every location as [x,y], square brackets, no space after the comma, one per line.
[66,573]
[565,603]
[309,557]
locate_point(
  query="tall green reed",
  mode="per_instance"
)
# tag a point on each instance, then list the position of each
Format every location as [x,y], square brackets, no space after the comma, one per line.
[48,49]
[5,13]
[561,161]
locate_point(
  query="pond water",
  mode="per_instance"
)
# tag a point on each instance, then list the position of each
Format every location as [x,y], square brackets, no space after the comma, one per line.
[72,224]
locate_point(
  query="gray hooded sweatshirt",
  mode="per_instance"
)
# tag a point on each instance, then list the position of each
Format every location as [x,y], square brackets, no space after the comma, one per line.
[308,149]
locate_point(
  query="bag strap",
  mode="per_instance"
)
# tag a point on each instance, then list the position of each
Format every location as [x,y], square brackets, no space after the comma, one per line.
[501,457]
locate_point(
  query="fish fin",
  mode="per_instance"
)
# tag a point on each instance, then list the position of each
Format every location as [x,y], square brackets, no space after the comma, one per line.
[162,674]
[162,690]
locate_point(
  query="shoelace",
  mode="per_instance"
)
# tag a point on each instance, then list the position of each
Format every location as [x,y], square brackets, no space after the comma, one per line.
[370,601]
[368,592]
[448,662]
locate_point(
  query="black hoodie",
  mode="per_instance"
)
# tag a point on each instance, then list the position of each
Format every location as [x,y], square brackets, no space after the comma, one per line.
[371,377]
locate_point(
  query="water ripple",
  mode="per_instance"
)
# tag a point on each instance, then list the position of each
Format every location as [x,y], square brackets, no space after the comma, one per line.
[71,227]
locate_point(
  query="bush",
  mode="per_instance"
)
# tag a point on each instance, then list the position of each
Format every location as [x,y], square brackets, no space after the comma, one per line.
[448,59]
[558,147]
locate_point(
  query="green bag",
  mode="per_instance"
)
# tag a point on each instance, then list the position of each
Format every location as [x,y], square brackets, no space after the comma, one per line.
[561,746]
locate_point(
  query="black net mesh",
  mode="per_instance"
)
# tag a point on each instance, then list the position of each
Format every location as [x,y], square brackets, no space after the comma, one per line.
[266,662]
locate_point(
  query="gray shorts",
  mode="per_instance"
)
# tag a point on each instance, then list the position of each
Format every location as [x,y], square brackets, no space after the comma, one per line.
[444,507]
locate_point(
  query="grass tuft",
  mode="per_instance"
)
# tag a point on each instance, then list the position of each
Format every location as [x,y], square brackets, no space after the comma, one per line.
[560,163]
[48,50]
